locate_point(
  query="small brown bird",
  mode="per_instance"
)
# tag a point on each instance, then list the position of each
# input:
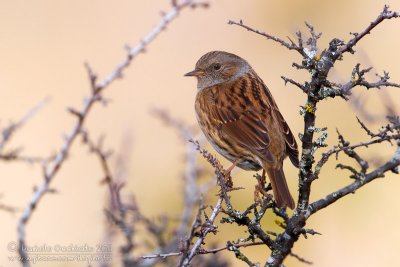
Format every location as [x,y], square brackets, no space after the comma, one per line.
[241,120]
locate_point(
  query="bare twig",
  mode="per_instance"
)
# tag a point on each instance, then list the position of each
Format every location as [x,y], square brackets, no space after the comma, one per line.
[203,251]
[163,256]
[14,155]
[8,208]
[357,79]
[299,85]
[300,259]
[378,138]
[290,46]
[185,261]
[239,255]
[351,188]
[241,218]
[9,131]
[384,15]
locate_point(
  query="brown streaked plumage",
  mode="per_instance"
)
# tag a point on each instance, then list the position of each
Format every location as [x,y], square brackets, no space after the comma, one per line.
[241,120]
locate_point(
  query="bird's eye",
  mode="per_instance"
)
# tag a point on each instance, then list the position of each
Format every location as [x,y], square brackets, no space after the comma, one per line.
[217,66]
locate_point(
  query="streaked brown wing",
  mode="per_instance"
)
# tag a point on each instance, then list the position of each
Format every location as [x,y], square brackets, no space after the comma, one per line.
[291,145]
[246,128]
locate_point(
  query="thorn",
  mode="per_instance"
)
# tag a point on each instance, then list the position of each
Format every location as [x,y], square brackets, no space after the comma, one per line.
[74,112]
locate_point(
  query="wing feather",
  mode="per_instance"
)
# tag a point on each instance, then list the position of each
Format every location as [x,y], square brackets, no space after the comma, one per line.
[291,145]
[245,128]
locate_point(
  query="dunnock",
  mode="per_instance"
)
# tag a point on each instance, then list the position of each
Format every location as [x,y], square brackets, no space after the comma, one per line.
[241,120]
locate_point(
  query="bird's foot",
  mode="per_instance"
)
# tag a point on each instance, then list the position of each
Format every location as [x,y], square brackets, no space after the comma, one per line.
[260,188]
[257,197]
[260,191]
[228,179]
[227,174]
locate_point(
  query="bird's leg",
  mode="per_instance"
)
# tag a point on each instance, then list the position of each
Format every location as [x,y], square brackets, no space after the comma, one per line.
[227,174]
[261,186]
[263,179]
[228,171]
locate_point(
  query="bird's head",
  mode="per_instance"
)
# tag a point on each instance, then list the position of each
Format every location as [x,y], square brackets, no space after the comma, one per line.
[218,67]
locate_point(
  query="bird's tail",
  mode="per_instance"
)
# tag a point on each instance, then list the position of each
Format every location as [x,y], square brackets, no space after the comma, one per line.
[280,188]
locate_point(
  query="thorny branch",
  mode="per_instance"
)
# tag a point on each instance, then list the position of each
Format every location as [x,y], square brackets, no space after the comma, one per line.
[384,15]
[204,251]
[188,253]
[318,88]
[51,169]
[290,46]
[233,216]
[210,222]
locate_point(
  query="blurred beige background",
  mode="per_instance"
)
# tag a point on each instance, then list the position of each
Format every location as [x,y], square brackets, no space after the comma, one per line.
[43,45]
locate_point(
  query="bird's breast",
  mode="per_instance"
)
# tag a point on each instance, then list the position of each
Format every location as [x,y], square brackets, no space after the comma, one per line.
[205,99]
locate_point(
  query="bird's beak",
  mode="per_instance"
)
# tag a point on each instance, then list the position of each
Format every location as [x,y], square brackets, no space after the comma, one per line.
[195,73]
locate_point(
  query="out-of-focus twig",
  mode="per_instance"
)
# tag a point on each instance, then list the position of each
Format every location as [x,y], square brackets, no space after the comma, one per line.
[8,208]
[123,213]
[9,131]
[119,177]
[191,192]
[118,213]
